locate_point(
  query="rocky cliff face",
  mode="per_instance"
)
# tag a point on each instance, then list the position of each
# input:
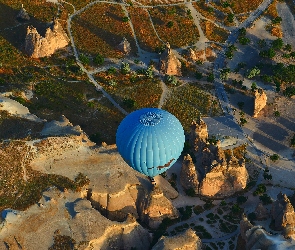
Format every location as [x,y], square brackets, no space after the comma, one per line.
[124,46]
[37,46]
[282,212]
[189,178]
[154,207]
[60,215]
[22,15]
[198,134]
[225,180]
[169,64]
[184,241]
[260,99]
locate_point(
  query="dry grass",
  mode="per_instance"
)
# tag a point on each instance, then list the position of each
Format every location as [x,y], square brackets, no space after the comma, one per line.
[205,10]
[144,31]
[188,101]
[271,12]
[145,92]
[238,152]
[214,33]
[19,189]
[243,6]
[100,29]
[182,33]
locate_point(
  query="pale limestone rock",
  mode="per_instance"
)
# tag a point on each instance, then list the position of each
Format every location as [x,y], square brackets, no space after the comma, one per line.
[260,100]
[198,134]
[69,215]
[261,212]
[154,207]
[169,64]
[37,46]
[282,212]
[224,180]
[184,241]
[189,175]
[245,225]
[192,55]
[124,46]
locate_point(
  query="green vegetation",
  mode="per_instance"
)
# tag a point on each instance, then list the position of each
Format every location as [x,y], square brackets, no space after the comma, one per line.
[274,157]
[293,141]
[224,73]
[253,72]
[261,188]
[98,60]
[266,199]
[241,199]
[266,174]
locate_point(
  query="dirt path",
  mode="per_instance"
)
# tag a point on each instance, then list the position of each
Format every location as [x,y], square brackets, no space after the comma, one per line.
[164,95]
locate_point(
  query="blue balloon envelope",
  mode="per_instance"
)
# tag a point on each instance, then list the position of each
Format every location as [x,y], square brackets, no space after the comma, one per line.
[150,140]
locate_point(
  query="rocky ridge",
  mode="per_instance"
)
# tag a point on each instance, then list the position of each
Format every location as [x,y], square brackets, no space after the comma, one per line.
[37,46]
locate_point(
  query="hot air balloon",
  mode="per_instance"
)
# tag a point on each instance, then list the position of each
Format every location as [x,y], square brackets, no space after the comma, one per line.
[150,140]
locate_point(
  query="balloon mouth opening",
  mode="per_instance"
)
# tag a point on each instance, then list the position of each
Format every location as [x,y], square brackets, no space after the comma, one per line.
[150,119]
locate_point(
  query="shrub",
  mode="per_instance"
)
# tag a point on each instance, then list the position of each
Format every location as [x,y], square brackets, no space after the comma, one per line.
[277,113]
[244,40]
[125,68]
[125,19]
[170,79]
[253,72]
[276,20]
[270,53]
[129,103]
[111,70]
[259,190]
[99,60]
[149,73]
[277,44]
[84,59]
[293,141]
[169,24]
[274,157]
[288,47]
[198,75]
[230,17]
[210,77]
[265,199]
[243,121]
[241,199]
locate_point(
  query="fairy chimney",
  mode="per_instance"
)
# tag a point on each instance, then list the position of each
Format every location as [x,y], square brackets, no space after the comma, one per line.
[169,64]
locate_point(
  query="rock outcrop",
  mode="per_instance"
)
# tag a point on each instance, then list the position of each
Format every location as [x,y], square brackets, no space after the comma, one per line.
[282,212]
[191,55]
[245,225]
[225,180]
[67,215]
[184,241]
[256,237]
[169,64]
[23,15]
[124,46]
[260,99]
[154,207]
[37,46]
[261,212]
[198,134]
[189,178]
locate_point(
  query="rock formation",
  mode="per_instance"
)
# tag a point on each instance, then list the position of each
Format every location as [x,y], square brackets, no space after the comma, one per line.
[256,237]
[225,180]
[245,225]
[198,134]
[154,207]
[282,212]
[37,46]
[67,215]
[184,241]
[189,178]
[260,99]
[261,212]
[191,55]
[124,46]
[169,64]
[23,15]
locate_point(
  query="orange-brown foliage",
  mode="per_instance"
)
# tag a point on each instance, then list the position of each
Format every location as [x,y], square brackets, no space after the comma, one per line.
[212,32]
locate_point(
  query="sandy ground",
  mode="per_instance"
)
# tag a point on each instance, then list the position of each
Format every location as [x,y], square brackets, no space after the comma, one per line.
[15,108]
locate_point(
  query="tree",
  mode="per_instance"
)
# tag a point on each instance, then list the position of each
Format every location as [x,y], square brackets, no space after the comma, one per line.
[230,17]
[210,77]
[198,75]
[253,86]
[125,68]
[288,47]
[261,43]
[274,157]
[224,73]
[84,59]
[253,72]
[170,24]
[276,20]
[149,73]
[244,40]
[241,199]
[99,60]
[270,53]
[277,44]
[171,79]
[125,19]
